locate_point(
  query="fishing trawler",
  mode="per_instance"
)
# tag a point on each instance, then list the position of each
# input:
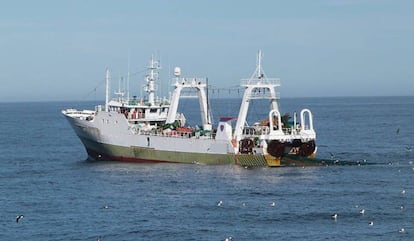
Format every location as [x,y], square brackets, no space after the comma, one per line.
[152,129]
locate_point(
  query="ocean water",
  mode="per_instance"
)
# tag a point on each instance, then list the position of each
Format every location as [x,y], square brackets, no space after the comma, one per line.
[44,175]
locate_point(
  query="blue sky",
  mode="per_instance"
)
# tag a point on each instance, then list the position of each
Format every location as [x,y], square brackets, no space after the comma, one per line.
[58,50]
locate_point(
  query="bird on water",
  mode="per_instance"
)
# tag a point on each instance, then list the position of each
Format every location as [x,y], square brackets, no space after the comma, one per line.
[18,217]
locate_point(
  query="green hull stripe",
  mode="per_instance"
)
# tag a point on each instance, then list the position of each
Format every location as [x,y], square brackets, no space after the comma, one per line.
[152,155]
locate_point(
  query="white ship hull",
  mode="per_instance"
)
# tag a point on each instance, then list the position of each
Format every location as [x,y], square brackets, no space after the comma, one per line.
[109,138]
[153,131]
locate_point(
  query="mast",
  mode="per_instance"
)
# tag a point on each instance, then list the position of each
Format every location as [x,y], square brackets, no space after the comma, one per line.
[120,92]
[259,65]
[258,81]
[107,91]
[153,75]
[129,64]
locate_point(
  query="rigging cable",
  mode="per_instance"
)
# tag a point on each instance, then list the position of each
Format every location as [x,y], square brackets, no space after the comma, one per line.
[100,83]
